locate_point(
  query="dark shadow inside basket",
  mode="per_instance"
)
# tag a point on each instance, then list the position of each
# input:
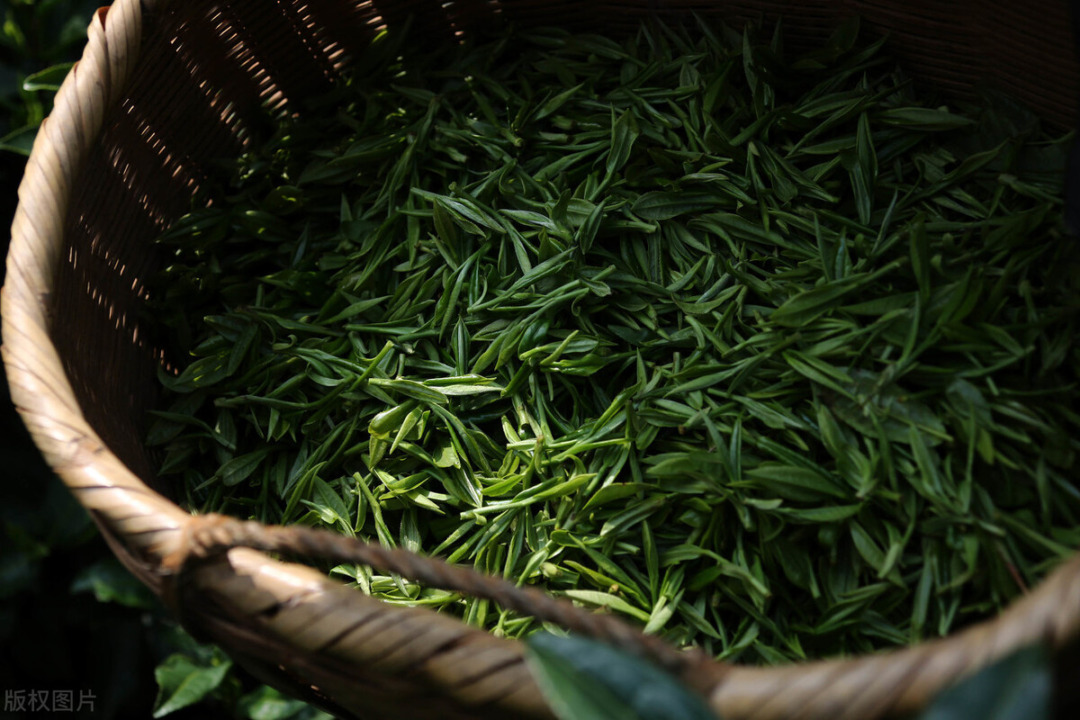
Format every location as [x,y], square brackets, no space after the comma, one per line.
[210,73]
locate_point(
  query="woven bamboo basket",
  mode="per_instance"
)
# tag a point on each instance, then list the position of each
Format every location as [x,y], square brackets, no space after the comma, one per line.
[166,86]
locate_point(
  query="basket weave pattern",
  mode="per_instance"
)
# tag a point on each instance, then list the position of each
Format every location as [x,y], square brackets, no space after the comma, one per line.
[166,86]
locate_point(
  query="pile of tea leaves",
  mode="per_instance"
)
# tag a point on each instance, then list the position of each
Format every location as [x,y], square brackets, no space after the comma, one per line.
[767,353]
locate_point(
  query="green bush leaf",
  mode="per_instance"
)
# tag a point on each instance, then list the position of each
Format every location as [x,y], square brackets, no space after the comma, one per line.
[111,582]
[181,682]
[587,680]
[267,703]
[48,79]
[19,141]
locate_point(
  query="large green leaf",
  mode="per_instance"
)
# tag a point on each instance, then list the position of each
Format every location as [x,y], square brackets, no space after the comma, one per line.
[19,141]
[48,79]
[111,582]
[1016,687]
[266,703]
[182,682]
[587,680]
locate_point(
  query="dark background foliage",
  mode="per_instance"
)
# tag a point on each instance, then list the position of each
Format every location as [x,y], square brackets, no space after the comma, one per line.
[71,618]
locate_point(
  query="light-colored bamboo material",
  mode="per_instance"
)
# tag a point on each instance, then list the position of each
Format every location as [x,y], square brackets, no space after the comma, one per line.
[163,87]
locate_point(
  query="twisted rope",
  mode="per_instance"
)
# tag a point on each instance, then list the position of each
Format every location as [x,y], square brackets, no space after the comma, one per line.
[209,536]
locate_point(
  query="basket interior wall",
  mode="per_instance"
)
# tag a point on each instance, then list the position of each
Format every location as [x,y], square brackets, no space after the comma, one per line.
[210,70]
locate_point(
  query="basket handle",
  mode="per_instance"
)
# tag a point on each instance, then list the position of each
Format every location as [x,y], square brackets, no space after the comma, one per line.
[209,536]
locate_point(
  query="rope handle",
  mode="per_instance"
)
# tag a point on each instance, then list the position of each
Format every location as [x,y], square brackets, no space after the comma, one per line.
[209,536]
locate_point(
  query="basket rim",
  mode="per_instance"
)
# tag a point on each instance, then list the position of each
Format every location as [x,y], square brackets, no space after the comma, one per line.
[310,609]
